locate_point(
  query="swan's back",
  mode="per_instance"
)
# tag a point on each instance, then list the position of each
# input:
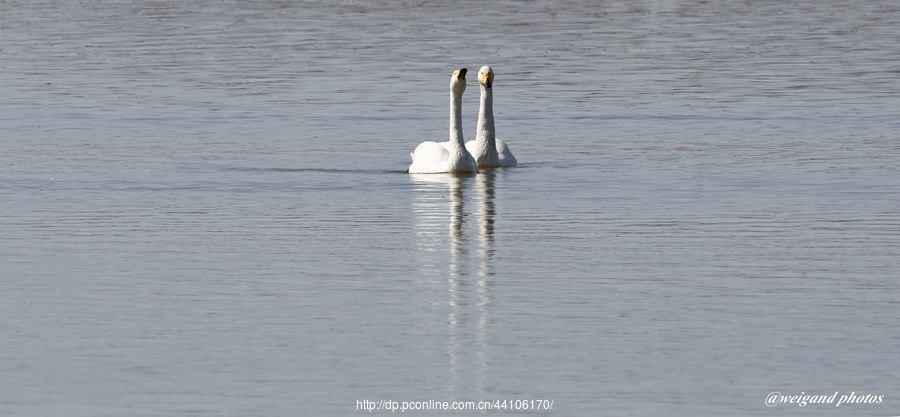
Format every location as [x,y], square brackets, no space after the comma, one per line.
[429,157]
[506,157]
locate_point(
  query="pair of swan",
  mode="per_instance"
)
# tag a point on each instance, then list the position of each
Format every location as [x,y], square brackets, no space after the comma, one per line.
[457,156]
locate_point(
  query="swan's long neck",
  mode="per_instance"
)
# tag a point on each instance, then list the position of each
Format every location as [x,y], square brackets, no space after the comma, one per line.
[484,132]
[457,142]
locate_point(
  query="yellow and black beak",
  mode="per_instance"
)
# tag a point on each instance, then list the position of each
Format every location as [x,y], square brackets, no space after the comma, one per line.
[486,79]
[461,74]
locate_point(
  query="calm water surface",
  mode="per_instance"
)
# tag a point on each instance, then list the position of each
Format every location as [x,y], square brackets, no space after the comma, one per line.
[205,209]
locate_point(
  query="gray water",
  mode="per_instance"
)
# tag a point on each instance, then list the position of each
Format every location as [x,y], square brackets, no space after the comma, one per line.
[204,208]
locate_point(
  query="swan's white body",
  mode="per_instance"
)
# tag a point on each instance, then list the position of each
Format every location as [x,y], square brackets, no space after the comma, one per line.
[487,150]
[451,156]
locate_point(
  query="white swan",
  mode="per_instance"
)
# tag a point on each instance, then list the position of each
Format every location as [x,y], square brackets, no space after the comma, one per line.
[487,150]
[451,156]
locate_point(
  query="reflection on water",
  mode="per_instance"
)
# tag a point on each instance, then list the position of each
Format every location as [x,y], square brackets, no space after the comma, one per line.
[454,223]
[486,222]
[448,233]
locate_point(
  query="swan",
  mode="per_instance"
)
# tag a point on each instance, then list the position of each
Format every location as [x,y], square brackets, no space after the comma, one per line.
[450,156]
[487,150]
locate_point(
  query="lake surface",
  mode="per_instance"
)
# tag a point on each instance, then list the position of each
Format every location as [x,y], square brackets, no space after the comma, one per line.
[204,208]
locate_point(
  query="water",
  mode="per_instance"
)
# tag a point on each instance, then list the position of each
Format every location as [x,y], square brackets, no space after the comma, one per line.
[205,210]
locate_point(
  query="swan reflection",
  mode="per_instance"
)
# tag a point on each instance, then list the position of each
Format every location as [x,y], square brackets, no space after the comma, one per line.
[486,220]
[447,231]
[454,234]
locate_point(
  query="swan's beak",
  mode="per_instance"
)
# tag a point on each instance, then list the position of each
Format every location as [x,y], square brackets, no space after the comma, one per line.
[461,74]
[486,79]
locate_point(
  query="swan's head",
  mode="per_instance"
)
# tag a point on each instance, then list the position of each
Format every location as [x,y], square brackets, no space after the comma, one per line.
[458,80]
[486,76]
